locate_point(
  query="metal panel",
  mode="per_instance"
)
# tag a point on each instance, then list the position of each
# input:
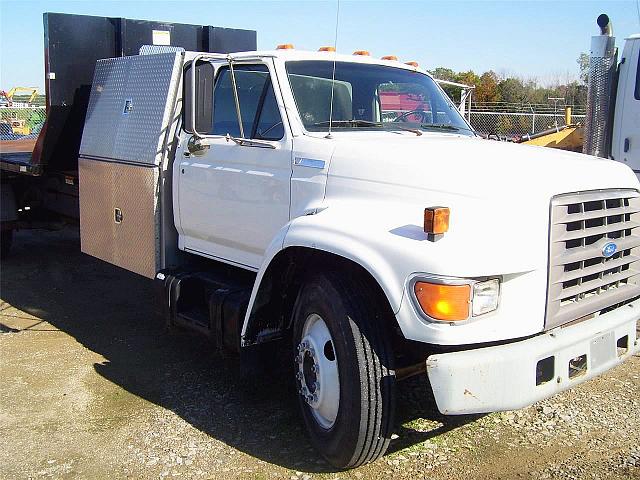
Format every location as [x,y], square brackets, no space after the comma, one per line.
[134,97]
[120,215]
[225,40]
[602,67]
[156,49]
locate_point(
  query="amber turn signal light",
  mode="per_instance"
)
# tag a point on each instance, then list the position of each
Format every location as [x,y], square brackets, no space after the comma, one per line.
[448,303]
[436,220]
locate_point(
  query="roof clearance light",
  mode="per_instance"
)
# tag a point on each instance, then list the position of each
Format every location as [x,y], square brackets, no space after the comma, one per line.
[389,57]
[413,64]
[285,46]
[327,49]
[449,303]
[364,53]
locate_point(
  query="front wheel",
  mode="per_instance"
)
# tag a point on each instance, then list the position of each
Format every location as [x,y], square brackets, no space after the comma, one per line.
[343,368]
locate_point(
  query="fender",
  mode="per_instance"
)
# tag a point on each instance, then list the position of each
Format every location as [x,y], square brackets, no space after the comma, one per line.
[321,231]
[386,239]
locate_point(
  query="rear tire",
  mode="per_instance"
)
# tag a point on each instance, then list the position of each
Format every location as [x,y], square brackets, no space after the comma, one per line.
[6,240]
[358,349]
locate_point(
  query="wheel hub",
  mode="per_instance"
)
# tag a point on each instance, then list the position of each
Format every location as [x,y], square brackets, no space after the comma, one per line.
[317,371]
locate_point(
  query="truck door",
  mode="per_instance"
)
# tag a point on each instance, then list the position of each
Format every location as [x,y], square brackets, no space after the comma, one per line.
[625,145]
[232,198]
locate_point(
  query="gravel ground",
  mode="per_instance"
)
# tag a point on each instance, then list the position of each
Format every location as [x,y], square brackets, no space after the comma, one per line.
[94,387]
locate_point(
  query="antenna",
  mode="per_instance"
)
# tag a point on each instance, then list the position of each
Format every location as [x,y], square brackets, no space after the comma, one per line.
[333,75]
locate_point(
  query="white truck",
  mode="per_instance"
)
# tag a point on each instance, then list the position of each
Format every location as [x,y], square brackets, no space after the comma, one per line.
[274,197]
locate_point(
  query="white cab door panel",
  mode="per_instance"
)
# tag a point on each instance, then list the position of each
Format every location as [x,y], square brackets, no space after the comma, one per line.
[233,199]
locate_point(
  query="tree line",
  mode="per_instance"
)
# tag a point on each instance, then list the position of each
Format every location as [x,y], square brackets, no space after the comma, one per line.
[491,87]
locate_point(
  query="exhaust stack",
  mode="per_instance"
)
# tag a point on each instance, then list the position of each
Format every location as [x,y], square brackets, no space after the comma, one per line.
[602,67]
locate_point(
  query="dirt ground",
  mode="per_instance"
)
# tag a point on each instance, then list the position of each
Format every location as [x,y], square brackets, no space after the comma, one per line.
[94,387]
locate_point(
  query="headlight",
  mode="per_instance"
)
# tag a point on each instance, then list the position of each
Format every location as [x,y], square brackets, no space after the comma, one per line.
[485,296]
[456,300]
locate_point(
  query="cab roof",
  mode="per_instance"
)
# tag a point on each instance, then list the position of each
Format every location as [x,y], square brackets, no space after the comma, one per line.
[293,54]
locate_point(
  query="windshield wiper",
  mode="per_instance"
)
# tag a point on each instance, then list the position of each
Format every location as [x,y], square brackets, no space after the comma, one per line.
[349,123]
[442,126]
[406,129]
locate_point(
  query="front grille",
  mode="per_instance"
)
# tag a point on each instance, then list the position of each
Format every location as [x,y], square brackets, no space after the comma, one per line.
[581,280]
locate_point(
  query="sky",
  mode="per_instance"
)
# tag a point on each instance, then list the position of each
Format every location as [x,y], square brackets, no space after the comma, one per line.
[532,39]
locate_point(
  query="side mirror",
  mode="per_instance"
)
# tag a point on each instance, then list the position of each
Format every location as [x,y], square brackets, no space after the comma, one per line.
[200,120]
[197,146]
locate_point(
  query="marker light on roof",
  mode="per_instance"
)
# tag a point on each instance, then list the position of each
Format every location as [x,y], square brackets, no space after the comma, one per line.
[413,64]
[285,46]
[364,53]
[389,57]
[327,49]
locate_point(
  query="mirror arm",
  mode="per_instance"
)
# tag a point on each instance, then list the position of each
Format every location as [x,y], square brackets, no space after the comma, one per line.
[243,142]
[235,96]
[194,64]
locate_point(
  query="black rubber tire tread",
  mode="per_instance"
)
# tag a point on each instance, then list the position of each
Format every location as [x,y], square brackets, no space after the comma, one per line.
[364,426]
[6,240]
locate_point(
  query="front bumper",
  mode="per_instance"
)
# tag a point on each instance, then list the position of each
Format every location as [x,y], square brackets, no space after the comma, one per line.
[509,377]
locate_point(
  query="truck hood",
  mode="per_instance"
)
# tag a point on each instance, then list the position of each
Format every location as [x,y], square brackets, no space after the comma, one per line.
[473,167]
[499,195]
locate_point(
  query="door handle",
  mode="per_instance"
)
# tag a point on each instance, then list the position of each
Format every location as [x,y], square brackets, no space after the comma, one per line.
[626,145]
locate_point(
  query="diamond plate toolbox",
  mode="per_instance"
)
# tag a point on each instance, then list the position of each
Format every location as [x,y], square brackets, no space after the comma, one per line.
[125,139]
[130,108]
[119,215]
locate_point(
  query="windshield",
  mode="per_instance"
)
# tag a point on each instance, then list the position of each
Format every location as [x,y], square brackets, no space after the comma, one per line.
[370,97]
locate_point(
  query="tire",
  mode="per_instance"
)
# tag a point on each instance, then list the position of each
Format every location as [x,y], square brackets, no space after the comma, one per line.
[357,323]
[6,240]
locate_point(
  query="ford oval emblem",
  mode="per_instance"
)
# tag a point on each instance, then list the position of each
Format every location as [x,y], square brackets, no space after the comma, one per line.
[609,249]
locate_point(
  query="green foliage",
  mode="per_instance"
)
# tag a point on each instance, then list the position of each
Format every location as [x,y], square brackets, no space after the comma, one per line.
[487,87]
[583,65]
[491,88]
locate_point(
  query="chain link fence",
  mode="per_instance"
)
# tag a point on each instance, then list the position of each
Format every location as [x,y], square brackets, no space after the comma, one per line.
[21,122]
[513,120]
[516,124]
[19,128]
[25,123]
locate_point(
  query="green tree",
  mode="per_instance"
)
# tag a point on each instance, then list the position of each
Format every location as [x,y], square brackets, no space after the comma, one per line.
[512,90]
[583,65]
[487,89]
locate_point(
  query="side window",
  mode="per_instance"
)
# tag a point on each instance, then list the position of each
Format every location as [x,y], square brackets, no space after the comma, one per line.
[269,123]
[637,93]
[258,107]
